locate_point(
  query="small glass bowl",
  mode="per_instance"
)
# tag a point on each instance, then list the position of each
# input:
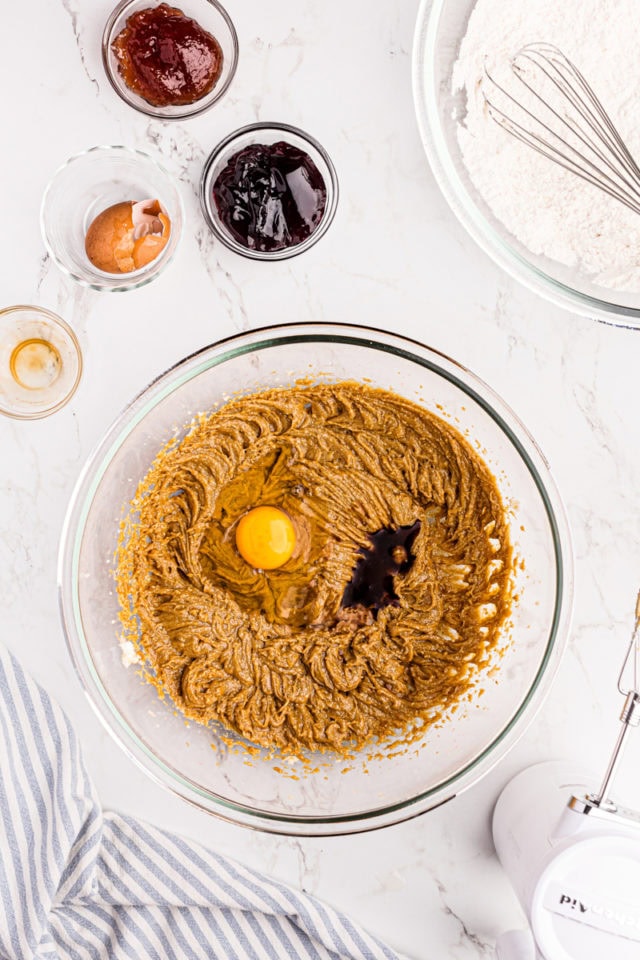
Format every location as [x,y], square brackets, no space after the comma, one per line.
[266,133]
[211,16]
[85,186]
[40,362]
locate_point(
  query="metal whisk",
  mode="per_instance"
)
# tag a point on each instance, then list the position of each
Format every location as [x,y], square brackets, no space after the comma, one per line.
[555,112]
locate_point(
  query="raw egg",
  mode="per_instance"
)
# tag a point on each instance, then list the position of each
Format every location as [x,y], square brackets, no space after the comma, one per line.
[265,538]
[127,236]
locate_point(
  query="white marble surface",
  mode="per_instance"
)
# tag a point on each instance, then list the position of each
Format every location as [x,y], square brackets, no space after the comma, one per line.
[395,257]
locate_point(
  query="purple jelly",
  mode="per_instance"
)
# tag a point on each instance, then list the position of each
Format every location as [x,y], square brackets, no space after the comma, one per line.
[270,196]
[372,581]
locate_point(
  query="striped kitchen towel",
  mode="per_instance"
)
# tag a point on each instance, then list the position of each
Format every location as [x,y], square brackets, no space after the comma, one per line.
[80,884]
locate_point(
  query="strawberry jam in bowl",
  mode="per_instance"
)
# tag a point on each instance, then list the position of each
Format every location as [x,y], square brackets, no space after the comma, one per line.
[170,61]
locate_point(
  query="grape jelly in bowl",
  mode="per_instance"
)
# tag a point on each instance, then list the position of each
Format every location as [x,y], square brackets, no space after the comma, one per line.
[269,191]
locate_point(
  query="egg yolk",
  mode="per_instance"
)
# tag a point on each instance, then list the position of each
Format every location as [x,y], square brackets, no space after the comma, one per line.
[265,538]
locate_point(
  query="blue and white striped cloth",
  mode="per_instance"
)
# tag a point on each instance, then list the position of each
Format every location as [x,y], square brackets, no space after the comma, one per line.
[80,884]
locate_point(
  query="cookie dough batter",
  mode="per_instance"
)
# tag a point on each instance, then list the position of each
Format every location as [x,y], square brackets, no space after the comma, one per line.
[276,655]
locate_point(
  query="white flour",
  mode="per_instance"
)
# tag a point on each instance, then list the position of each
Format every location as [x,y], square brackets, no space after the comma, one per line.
[549,210]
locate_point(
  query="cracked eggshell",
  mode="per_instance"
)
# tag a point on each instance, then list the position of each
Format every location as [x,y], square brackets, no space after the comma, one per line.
[127,236]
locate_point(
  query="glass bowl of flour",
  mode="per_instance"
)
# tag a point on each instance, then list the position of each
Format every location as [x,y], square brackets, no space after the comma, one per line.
[561,236]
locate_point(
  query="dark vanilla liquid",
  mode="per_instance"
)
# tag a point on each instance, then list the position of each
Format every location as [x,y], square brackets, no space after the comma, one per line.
[372,584]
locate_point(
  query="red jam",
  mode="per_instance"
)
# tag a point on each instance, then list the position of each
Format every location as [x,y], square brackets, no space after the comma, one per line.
[270,196]
[167,58]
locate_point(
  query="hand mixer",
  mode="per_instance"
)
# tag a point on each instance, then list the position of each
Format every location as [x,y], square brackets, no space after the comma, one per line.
[554,111]
[575,864]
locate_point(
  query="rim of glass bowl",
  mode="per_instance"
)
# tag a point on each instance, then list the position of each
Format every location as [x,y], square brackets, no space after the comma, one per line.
[166,384]
[208,206]
[426,97]
[132,100]
[135,278]
[59,322]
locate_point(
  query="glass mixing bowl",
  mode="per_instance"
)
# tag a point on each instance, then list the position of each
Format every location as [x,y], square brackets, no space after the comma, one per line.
[440,29]
[40,362]
[379,787]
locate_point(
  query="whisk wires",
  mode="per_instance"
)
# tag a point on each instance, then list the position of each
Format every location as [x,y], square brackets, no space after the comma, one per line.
[555,112]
